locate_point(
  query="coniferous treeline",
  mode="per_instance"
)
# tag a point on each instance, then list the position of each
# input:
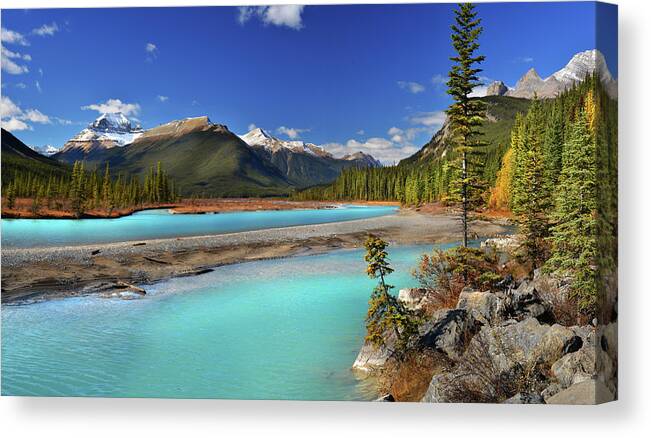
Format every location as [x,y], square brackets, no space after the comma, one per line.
[405,184]
[560,181]
[81,190]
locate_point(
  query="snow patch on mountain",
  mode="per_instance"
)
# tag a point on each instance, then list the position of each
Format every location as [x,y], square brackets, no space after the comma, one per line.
[581,64]
[46,150]
[259,137]
[107,131]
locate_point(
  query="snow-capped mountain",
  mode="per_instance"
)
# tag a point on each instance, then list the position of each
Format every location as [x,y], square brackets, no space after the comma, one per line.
[107,131]
[46,150]
[259,137]
[303,164]
[577,68]
[362,158]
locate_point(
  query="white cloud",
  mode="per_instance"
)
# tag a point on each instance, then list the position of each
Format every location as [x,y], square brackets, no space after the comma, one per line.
[14,124]
[152,51]
[114,106]
[479,91]
[61,121]
[432,119]
[9,61]
[252,126]
[382,149]
[8,108]
[13,118]
[412,87]
[38,86]
[361,132]
[12,37]
[40,71]
[21,85]
[34,115]
[524,59]
[292,133]
[278,15]
[162,98]
[439,79]
[46,30]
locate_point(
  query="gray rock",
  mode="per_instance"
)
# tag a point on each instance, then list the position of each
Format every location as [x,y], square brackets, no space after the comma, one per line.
[574,367]
[436,390]
[505,244]
[524,344]
[371,357]
[485,307]
[608,339]
[412,298]
[448,331]
[525,302]
[588,392]
[551,390]
[525,399]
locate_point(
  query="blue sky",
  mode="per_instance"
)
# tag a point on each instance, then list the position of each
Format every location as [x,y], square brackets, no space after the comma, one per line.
[347,77]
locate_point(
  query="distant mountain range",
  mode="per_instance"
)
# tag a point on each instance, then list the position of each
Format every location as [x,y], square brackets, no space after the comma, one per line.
[204,157]
[503,103]
[303,164]
[577,68]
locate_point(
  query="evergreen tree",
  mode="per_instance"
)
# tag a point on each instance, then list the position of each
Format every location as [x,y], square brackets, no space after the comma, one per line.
[535,202]
[11,196]
[386,315]
[574,238]
[466,114]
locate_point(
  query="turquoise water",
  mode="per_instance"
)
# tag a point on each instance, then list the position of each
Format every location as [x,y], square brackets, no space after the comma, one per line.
[154,224]
[275,329]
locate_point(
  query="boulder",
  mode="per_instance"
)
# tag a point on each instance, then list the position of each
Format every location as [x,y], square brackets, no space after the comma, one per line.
[448,331]
[485,307]
[551,390]
[525,399]
[436,390]
[524,302]
[412,298]
[524,344]
[574,367]
[587,392]
[372,357]
[504,244]
[608,339]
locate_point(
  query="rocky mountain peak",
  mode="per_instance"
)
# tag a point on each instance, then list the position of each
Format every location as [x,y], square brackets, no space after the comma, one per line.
[530,74]
[581,64]
[114,122]
[497,88]
[364,159]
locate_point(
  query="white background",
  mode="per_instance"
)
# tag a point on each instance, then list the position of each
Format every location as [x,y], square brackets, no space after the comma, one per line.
[630,416]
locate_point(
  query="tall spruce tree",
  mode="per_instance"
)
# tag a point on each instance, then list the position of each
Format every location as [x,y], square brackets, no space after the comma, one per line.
[534,199]
[466,114]
[574,235]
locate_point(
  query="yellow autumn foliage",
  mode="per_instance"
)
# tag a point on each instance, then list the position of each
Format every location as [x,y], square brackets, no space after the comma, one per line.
[501,193]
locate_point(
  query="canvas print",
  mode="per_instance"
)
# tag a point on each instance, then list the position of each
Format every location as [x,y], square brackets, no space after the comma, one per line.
[391,203]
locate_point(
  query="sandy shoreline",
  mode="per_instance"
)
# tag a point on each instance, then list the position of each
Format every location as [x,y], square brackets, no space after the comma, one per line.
[43,273]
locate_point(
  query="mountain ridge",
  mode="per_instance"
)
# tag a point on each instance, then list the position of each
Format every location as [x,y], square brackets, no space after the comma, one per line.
[580,65]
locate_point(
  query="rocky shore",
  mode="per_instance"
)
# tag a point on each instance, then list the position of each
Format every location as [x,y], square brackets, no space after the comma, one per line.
[506,346]
[42,273]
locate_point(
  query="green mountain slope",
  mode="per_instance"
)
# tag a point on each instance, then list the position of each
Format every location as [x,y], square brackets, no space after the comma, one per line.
[500,116]
[18,156]
[203,158]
